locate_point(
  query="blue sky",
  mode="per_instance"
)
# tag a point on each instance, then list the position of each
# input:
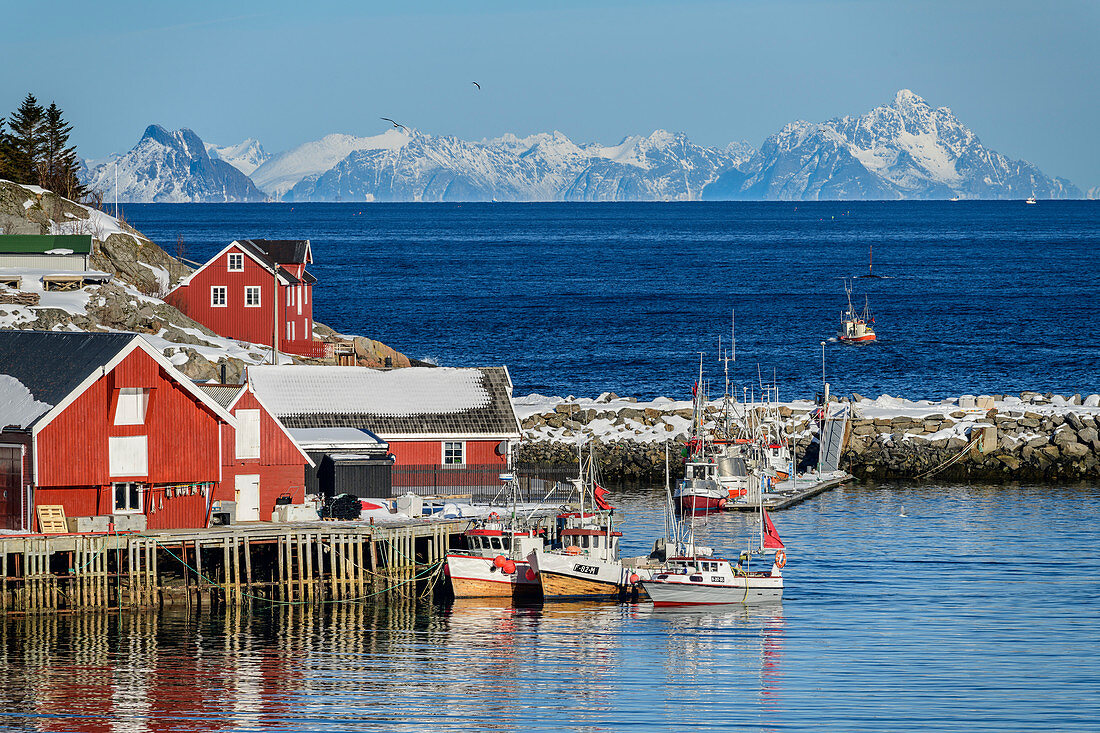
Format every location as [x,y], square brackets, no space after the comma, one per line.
[1023,75]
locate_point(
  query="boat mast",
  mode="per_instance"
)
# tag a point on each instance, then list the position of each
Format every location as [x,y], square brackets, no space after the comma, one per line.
[871,261]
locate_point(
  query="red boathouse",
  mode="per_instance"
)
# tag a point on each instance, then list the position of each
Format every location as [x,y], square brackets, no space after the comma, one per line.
[103,425]
[255,290]
[438,422]
[261,462]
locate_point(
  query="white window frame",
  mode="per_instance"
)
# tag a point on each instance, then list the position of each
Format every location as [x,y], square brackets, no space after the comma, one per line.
[219,290]
[447,445]
[288,331]
[290,295]
[250,290]
[130,486]
[306,294]
[132,406]
[247,441]
[234,257]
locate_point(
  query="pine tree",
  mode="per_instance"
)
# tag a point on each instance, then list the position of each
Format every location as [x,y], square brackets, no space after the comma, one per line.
[5,164]
[58,164]
[25,140]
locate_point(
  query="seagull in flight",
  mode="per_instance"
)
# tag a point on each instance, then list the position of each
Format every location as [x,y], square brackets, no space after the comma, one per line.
[395,123]
[476,85]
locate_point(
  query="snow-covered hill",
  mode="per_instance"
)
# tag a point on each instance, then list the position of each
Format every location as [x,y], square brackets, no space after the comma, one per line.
[246,156]
[171,167]
[904,150]
[542,167]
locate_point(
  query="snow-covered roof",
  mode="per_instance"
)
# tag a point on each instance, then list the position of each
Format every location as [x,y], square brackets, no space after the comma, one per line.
[423,401]
[336,438]
[17,405]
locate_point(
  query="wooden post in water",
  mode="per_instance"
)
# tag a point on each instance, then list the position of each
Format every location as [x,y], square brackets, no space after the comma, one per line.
[248,570]
[199,583]
[358,559]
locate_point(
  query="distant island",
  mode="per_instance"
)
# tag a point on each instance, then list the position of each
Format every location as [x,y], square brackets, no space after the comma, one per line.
[904,150]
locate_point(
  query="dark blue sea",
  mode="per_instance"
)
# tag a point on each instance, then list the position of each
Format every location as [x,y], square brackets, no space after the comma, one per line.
[980,298]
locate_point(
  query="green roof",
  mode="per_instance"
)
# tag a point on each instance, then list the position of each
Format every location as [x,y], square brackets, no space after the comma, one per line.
[80,244]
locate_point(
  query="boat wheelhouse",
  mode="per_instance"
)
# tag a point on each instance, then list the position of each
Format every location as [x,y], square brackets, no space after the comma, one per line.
[856,327]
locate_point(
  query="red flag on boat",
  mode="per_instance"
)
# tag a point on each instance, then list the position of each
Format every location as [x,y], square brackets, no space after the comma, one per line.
[598,494]
[695,389]
[771,537]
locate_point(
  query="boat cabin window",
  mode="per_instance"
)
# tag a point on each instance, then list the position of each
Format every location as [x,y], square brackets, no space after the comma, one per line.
[495,542]
[584,540]
[507,542]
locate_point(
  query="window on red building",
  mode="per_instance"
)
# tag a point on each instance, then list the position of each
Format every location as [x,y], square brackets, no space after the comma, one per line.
[252,296]
[236,262]
[217,296]
[453,453]
[127,498]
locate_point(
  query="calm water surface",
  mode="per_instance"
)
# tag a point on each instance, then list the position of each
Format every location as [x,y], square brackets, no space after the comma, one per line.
[978,611]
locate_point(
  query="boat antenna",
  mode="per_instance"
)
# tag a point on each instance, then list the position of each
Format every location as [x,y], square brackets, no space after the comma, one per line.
[871,261]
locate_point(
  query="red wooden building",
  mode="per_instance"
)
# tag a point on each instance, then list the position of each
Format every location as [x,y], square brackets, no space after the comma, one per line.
[453,418]
[261,462]
[103,424]
[255,290]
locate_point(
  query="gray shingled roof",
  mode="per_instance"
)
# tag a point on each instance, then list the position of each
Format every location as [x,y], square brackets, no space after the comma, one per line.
[51,365]
[390,403]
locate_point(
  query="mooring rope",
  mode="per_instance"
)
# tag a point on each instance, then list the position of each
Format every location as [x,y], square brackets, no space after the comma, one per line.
[953,459]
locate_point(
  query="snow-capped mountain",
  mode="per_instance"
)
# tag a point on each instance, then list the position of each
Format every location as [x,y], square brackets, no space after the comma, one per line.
[246,156]
[542,167]
[904,150]
[172,167]
[282,172]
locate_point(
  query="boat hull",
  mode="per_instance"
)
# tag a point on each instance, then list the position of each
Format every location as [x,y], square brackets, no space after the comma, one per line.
[478,577]
[575,576]
[742,590]
[856,339]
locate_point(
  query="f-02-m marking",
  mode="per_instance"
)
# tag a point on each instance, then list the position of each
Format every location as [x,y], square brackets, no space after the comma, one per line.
[586,569]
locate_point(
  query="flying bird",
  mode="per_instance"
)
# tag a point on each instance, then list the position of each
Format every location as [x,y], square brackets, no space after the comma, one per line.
[395,123]
[476,85]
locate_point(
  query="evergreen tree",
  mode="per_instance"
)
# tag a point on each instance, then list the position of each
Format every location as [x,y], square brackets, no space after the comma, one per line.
[25,140]
[5,164]
[58,164]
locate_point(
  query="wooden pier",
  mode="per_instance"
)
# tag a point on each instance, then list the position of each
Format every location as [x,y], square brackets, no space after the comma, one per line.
[262,563]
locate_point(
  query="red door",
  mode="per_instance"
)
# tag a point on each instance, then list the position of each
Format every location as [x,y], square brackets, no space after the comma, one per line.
[11,476]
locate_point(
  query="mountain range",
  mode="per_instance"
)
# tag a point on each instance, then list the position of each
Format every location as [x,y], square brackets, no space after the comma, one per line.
[904,150]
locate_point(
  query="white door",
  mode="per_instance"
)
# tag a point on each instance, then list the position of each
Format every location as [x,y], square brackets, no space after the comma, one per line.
[248,498]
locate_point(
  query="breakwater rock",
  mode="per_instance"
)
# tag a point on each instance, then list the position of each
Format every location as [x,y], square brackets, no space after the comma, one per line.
[1030,437]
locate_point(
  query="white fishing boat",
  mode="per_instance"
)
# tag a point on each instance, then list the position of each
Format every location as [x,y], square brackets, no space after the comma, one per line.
[695,580]
[856,327]
[1031,200]
[494,563]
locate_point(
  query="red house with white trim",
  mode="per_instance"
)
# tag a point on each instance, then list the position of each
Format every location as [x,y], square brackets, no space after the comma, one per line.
[261,462]
[255,290]
[103,424]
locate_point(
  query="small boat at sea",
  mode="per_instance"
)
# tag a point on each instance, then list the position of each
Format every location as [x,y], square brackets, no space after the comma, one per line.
[697,580]
[1031,200]
[856,327]
[494,564]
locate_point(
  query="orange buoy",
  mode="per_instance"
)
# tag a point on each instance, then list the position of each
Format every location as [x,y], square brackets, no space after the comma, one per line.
[499,561]
[508,567]
[634,578]
[530,574]
[572,550]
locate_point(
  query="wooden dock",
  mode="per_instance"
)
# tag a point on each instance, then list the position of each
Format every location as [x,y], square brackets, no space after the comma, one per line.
[254,563]
[784,499]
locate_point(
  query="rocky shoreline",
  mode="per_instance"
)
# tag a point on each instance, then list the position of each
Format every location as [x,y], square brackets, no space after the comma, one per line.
[1033,437]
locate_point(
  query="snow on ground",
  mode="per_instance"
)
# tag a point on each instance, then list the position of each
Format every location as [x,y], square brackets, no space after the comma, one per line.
[671,418]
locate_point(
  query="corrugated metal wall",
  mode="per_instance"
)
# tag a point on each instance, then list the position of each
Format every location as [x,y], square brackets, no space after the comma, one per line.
[53,263]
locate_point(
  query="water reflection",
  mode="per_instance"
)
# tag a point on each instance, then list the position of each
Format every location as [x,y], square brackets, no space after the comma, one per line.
[931,620]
